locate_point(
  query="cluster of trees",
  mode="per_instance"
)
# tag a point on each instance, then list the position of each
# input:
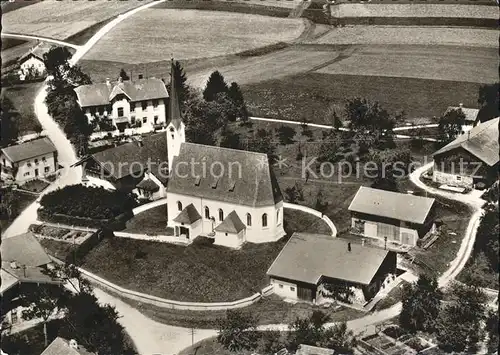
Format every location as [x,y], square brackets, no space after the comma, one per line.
[457,323]
[89,202]
[484,265]
[9,204]
[8,124]
[91,324]
[61,100]
[207,116]
[238,331]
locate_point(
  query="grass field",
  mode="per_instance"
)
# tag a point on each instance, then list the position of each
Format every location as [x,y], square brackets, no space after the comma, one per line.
[202,273]
[414,35]
[410,10]
[23,97]
[24,200]
[308,95]
[12,49]
[62,19]
[269,310]
[157,34]
[151,222]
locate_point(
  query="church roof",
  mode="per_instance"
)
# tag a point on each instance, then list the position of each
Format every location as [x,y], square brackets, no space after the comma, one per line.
[231,224]
[188,215]
[174,110]
[230,175]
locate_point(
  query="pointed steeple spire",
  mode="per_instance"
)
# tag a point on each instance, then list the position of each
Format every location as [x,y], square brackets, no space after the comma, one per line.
[174,112]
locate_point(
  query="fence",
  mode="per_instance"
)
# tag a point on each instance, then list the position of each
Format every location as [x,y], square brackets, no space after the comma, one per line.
[171,304]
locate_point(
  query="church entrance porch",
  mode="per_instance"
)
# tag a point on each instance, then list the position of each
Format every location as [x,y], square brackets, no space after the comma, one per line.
[188,223]
[181,231]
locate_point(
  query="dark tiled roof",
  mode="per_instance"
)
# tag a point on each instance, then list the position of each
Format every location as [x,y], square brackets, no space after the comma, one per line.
[188,215]
[132,157]
[174,111]
[231,224]
[247,179]
[308,257]
[28,150]
[148,185]
[403,207]
[481,141]
[138,90]
[24,249]
[61,346]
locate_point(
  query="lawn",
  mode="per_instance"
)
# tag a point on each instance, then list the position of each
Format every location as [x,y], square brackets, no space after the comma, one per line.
[454,218]
[60,20]
[23,98]
[60,250]
[198,272]
[151,222]
[187,34]
[270,310]
[307,96]
[35,186]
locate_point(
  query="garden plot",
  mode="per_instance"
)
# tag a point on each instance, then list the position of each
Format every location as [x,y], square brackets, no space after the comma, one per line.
[477,65]
[157,34]
[72,236]
[468,37]
[62,19]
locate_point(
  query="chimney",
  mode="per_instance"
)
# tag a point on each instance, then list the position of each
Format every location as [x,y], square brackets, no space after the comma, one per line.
[349,247]
[73,344]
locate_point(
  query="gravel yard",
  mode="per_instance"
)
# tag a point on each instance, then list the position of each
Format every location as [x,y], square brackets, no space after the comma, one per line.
[414,35]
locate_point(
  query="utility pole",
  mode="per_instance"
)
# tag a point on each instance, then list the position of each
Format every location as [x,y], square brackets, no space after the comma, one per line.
[192,336]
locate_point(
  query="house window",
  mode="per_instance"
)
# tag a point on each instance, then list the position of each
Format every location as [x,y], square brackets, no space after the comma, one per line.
[207,212]
[226,234]
[36,161]
[101,111]
[359,226]
[46,169]
[120,111]
[459,178]
[155,104]
[264,220]
[43,159]
[281,286]
[278,216]
[292,288]
[249,219]
[144,119]
[27,173]
[156,119]
[132,119]
[179,205]
[144,105]
[13,316]
[221,215]
[132,106]
[3,162]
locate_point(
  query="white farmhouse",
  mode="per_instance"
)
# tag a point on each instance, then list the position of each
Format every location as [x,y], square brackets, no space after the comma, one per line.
[32,62]
[29,160]
[127,104]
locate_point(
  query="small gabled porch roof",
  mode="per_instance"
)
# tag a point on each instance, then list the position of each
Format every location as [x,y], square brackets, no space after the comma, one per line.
[188,215]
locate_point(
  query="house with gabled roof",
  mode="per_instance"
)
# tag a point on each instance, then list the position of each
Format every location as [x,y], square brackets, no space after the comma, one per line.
[309,261]
[29,160]
[25,264]
[33,62]
[60,346]
[390,216]
[139,103]
[470,114]
[470,159]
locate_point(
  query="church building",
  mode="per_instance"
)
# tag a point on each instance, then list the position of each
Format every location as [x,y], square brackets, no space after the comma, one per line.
[226,194]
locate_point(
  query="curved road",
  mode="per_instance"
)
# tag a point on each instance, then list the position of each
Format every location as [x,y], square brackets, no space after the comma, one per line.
[40,38]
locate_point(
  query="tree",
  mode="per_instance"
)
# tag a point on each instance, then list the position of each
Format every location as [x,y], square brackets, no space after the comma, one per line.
[491,328]
[450,125]
[320,204]
[70,274]
[184,93]
[271,342]
[237,331]
[303,331]
[94,325]
[332,116]
[215,85]
[391,165]
[286,134]
[9,204]
[421,304]
[123,75]
[38,129]
[42,302]
[330,145]
[229,139]
[459,323]
[489,102]
[294,193]
[339,291]
[8,125]
[236,96]
[339,338]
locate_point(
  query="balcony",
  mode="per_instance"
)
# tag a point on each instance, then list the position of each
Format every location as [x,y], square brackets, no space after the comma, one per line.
[120,119]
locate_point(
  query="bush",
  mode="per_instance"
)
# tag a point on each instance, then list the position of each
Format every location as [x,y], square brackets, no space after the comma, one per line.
[87,202]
